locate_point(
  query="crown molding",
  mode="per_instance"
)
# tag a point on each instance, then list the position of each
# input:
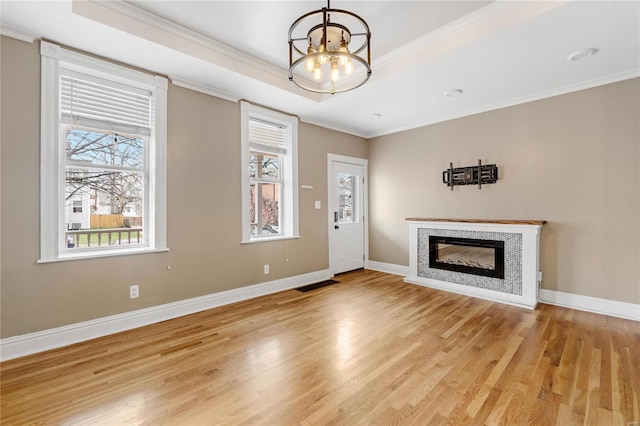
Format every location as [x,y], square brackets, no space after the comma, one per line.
[17,34]
[614,78]
[158,23]
[333,126]
[589,84]
[208,90]
[131,19]
[212,91]
[488,19]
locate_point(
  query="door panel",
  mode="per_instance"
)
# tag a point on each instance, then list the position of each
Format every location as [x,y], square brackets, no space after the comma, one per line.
[346,230]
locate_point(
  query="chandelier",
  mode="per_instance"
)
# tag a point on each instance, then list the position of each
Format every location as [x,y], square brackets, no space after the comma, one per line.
[321,56]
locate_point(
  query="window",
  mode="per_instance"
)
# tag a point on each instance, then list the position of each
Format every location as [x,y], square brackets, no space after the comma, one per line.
[77,206]
[346,192]
[269,174]
[103,145]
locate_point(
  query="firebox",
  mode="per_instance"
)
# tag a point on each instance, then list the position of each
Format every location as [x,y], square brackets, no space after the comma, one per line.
[471,256]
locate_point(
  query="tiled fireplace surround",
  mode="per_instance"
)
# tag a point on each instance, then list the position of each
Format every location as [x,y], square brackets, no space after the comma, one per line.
[522,253]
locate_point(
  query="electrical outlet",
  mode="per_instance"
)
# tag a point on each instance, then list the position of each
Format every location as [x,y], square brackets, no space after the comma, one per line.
[266,269]
[134,292]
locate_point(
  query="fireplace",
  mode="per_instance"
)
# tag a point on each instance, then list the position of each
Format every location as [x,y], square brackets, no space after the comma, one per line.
[467,255]
[509,249]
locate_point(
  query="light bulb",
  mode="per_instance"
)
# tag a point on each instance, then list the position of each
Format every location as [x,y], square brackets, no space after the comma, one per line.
[310,62]
[317,72]
[335,72]
[343,49]
[323,58]
[348,68]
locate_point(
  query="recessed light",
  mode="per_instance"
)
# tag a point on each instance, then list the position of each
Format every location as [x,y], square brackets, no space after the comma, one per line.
[453,93]
[375,115]
[582,54]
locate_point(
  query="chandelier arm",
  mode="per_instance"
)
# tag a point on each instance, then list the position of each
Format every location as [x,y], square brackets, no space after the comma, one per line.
[362,22]
[353,15]
[324,27]
[361,48]
[298,22]
[300,19]
[369,52]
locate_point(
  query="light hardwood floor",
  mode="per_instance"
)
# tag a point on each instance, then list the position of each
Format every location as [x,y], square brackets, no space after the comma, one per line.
[370,350]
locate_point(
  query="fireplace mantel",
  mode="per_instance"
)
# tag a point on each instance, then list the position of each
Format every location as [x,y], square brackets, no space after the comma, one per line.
[519,287]
[494,221]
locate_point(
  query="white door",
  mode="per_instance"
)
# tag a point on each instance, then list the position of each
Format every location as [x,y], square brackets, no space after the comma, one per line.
[346,214]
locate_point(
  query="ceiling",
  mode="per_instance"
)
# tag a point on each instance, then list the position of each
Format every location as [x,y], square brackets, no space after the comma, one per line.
[498,53]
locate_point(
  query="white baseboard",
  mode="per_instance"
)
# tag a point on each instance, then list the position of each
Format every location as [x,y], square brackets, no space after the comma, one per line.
[389,268]
[591,304]
[568,300]
[27,344]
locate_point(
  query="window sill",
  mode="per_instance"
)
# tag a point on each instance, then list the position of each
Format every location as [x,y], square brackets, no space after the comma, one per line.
[265,239]
[99,254]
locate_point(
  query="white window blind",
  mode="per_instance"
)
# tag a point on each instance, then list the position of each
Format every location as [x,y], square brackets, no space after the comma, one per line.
[267,137]
[94,102]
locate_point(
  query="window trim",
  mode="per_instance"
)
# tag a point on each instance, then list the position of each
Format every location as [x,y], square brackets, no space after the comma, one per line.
[289,190]
[52,155]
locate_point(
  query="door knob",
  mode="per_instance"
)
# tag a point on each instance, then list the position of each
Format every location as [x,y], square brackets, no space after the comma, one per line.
[336,227]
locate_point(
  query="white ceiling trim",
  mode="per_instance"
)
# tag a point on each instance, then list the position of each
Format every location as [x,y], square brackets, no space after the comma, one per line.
[133,20]
[208,90]
[17,34]
[478,24]
[481,15]
[203,89]
[614,78]
[333,126]
[211,65]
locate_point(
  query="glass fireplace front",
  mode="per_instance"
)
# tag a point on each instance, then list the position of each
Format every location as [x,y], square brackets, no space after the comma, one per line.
[470,256]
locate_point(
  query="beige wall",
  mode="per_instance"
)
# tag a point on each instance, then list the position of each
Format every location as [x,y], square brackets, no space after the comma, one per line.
[204,209]
[572,160]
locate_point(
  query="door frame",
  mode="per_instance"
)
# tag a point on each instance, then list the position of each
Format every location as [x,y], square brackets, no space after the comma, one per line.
[365,203]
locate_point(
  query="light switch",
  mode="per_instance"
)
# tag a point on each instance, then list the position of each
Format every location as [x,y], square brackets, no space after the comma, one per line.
[318,205]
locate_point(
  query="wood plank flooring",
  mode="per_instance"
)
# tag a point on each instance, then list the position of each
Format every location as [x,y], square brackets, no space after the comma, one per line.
[371,350]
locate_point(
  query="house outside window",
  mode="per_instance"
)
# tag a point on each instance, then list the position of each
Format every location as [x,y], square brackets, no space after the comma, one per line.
[103,155]
[269,174]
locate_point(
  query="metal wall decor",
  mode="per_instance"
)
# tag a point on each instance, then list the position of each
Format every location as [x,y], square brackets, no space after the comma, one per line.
[471,175]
